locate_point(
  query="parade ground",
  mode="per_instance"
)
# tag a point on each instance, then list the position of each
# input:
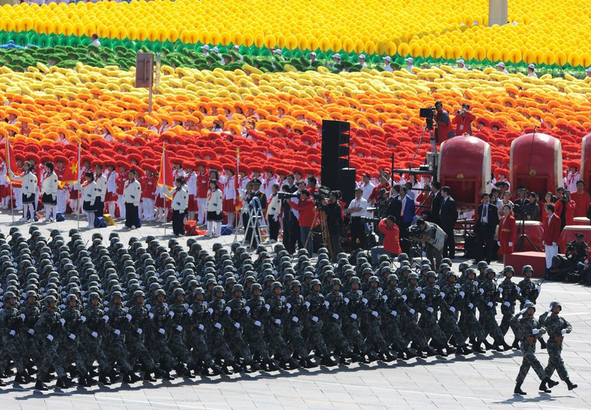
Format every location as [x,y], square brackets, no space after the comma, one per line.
[456,382]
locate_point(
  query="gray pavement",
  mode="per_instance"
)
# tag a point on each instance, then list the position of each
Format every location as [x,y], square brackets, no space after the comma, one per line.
[472,382]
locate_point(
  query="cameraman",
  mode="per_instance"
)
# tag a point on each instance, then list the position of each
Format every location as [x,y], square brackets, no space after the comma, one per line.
[273,213]
[357,209]
[334,221]
[306,208]
[463,120]
[444,129]
[391,244]
[432,238]
[291,229]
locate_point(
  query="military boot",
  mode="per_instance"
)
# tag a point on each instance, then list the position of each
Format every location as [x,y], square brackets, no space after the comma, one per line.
[148,377]
[39,385]
[104,379]
[518,390]
[20,378]
[542,343]
[63,382]
[571,385]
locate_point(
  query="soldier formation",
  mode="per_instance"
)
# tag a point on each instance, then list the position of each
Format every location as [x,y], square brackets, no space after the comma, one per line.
[115,311]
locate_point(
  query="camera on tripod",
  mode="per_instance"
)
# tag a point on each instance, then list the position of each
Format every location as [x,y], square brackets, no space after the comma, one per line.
[321,195]
[287,195]
[428,114]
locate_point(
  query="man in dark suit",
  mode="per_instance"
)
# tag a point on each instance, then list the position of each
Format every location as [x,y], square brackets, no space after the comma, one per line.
[487,219]
[435,203]
[519,206]
[405,217]
[395,205]
[447,220]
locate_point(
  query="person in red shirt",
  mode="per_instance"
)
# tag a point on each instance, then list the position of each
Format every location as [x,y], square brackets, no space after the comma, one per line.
[582,200]
[444,129]
[551,235]
[507,232]
[565,209]
[148,183]
[307,211]
[120,180]
[463,120]
[391,235]
[202,188]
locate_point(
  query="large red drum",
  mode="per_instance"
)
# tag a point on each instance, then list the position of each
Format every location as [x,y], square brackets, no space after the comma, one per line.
[568,235]
[581,220]
[465,166]
[586,161]
[535,233]
[536,163]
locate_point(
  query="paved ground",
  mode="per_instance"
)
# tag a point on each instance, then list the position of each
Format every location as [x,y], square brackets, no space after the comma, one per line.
[472,382]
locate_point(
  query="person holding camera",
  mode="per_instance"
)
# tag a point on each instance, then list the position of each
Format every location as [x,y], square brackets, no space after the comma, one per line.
[357,209]
[334,221]
[431,237]
[306,208]
[391,244]
[444,129]
[463,120]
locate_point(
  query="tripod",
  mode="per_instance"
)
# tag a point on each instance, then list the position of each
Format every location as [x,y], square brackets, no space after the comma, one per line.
[523,237]
[320,217]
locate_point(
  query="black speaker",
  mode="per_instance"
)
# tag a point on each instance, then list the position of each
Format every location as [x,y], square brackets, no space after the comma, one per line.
[346,183]
[335,151]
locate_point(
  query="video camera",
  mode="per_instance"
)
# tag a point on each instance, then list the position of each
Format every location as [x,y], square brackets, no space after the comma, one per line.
[369,219]
[322,193]
[287,195]
[428,114]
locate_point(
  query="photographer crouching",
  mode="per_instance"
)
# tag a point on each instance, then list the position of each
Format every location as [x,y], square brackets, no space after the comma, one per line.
[431,238]
[334,221]
[391,244]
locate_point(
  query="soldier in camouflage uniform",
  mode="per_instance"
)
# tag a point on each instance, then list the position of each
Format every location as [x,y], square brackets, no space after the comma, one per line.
[316,312]
[179,324]
[135,337]
[354,311]
[556,327]
[333,326]
[509,295]
[432,296]
[274,327]
[48,330]
[255,326]
[93,319]
[10,323]
[529,329]
[116,328]
[372,299]
[159,329]
[469,300]
[70,348]
[450,311]
[489,299]
[235,319]
[411,295]
[528,290]
[215,338]
[295,318]
[199,318]
[29,314]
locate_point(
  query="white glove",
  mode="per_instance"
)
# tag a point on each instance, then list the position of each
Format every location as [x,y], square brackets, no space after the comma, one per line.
[247,309]
[380,289]
[171,314]
[518,289]
[462,294]
[336,316]
[412,311]
[267,306]
[510,243]
[481,291]
[50,337]
[257,323]
[237,325]
[346,301]
[283,298]
[470,305]
[500,289]
[442,294]
[117,332]
[228,309]
[452,309]
[507,304]
[394,313]
[94,334]
[353,316]
[374,313]
[139,331]
[12,333]
[539,288]
[106,318]
[22,316]
[499,243]
[295,319]
[522,311]
[277,321]
[307,304]
[217,325]
[364,301]
[201,327]
[423,296]
[535,331]
[72,336]
[31,331]
[430,309]
[83,319]
[288,306]
[419,288]
[210,311]
[179,328]
[326,303]
[148,306]
[404,297]
[161,331]
[106,309]
[385,297]
[315,318]
[128,317]
[563,331]
[489,304]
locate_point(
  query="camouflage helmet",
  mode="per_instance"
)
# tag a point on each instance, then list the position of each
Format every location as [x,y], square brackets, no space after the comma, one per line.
[373,279]
[256,286]
[160,292]
[554,304]
[450,274]
[529,305]
[93,295]
[8,295]
[527,268]
[335,281]
[482,265]
[116,294]
[431,274]
[508,268]
[392,277]
[49,299]
[178,291]
[314,282]
[31,294]
[276,285]
[488,271]
[444,266]
[402,257]
[198,290]
[138,293]
[295,283]
[237,288]
[413,275]
[446,261]
[355,279]
[217,289]
[463,266]
[470,271]
[71,297]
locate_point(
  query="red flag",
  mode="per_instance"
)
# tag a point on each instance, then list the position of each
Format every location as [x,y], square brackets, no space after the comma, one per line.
[11,165]
[166,178]
[71,174]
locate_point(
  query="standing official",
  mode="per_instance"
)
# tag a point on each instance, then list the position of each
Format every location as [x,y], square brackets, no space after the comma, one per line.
[100,190]
[551,235]
[357,209]
[132,195]
[180,203]
[448,217]
[487,220]
[49,192]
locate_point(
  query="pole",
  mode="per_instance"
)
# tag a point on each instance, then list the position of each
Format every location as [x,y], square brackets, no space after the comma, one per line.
[164,187]
[150,99]
[78,203]
[392,172]
[12,201]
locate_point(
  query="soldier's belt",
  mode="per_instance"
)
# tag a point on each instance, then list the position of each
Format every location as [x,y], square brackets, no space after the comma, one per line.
[558,340]
[531,340]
